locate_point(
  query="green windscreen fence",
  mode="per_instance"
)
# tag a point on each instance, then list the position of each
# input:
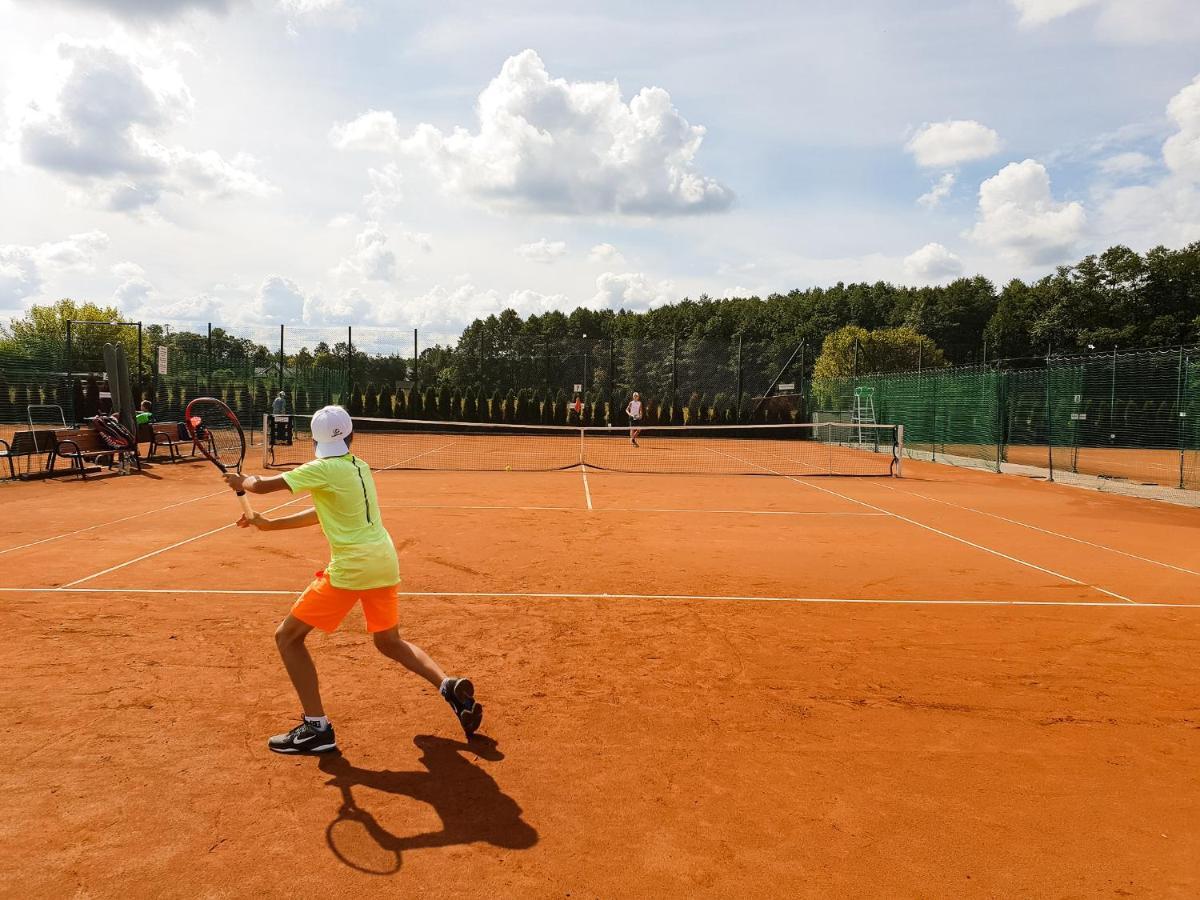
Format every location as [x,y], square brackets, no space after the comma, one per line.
[1131,416]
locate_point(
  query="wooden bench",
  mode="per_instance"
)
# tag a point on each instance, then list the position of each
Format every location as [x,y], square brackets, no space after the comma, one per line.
[81,445]
[26,445]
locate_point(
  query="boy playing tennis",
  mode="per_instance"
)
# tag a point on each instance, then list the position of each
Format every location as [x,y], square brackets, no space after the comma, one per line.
[362,568]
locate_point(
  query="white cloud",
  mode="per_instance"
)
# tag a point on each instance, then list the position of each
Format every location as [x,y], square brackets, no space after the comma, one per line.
[530,302]
[24,269]
[422,240]
[1131,163]
[134,292]
[939,192]
[548,144]
[631,290]
[351,307]
[542,251]
[606,253]
[1039,12]
[946,144]
[1121,21]
[1019,217]
[373,130]
[932,263]
[1165,211]
[100,127]
[311,7]
[372,259]
[148,10]
[278,299]
[1181,152]
[385,194]
[200,308]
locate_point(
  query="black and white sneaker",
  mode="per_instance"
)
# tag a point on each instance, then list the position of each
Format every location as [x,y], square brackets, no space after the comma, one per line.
[460,694]
[304,738]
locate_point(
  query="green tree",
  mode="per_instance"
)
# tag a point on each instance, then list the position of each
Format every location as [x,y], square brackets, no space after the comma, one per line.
[852,350]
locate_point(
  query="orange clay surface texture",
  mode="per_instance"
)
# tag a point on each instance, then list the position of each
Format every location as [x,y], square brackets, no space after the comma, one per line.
[674,706]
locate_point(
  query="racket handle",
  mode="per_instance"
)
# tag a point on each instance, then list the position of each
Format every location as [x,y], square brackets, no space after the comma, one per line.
[245,501]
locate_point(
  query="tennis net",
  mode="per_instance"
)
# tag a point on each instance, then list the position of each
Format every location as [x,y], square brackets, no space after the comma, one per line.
[827,448]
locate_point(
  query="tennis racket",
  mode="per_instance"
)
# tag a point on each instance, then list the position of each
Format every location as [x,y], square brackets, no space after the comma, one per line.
[218,434]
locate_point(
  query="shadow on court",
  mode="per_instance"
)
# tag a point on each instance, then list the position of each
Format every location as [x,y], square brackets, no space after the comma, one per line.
[467,799]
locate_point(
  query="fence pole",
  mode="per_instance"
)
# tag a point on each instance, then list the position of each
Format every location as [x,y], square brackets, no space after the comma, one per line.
[139,371]
[1112,398]
[208,351]
[674,374]
[281,387]
[737,403]
[416,358]
[803,395]
[1049,421]
[1179,414]
[349,364]
[1001,417]
[612,381]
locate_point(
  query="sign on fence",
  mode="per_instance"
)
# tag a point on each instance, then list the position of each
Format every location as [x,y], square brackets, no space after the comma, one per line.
[162,360]
[579,389]
[790,386]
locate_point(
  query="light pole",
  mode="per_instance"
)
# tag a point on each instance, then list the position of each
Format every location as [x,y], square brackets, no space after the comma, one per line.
[584,382]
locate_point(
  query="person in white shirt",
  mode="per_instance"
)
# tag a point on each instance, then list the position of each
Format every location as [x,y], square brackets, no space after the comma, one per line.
[634,411]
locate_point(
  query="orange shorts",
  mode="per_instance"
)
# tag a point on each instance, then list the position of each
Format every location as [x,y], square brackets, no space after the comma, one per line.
[324,606]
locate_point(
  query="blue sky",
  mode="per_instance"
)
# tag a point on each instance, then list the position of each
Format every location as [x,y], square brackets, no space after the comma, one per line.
[329,161]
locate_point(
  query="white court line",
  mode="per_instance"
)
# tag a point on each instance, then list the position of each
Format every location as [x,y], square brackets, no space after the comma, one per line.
[172,546]
[587,491]
[215,530]
[1059,534]
[418,456]
[148,512]
[553,595]
[945,534]
[638,509]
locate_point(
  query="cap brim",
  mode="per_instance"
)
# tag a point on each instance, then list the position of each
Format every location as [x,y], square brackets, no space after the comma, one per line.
[332,448]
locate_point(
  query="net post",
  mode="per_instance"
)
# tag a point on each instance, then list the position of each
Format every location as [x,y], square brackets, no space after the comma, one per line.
[899,451]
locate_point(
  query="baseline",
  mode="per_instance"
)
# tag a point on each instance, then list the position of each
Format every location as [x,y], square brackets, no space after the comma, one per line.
[557,595]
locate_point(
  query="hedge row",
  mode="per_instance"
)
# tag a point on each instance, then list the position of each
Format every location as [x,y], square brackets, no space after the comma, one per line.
[528,407]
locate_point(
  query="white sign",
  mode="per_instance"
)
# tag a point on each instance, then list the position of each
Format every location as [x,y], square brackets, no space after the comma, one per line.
[1078,417]
[162,360]
[579,389]
[787,387]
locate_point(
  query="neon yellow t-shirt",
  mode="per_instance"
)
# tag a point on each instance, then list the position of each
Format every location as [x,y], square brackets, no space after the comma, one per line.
[361,553]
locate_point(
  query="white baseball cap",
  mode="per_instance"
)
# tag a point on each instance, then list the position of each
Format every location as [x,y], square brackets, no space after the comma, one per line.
[331,425]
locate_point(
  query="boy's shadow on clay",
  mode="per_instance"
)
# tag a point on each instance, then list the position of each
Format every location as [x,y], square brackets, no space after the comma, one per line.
[466,798]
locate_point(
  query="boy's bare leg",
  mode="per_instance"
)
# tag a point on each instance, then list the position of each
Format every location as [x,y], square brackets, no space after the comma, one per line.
[412,657]
[289,638]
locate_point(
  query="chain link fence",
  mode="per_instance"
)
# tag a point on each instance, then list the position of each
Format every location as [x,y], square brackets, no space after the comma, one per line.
[1131,415]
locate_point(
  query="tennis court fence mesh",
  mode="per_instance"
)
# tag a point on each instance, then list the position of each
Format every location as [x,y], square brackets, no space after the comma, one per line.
[1132,416]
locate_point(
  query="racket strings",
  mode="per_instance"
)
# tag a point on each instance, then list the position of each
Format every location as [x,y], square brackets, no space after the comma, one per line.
[221,437]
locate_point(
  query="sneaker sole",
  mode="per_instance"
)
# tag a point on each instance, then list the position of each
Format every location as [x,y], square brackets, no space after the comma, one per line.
[471,719]
[303,751]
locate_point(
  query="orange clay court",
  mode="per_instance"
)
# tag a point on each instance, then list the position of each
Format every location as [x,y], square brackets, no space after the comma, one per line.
[951,684]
